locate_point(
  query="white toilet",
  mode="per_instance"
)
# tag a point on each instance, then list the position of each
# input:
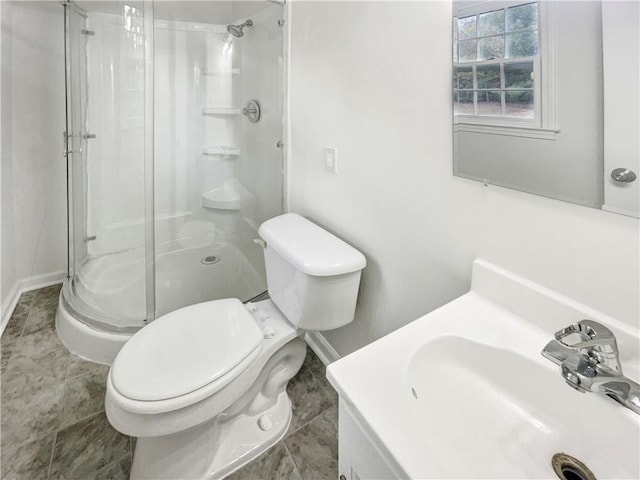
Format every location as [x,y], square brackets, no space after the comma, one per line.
[203,388]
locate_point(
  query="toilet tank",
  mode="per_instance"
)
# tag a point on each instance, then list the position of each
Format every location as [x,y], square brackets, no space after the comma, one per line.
[312,275]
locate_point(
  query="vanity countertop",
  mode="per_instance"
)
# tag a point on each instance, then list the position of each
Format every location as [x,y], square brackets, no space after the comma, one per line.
[463,392]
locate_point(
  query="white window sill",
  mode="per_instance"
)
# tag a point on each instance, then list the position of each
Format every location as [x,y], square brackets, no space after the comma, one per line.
[508,130]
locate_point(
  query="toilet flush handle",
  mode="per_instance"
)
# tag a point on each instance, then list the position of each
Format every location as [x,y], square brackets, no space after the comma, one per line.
[261,242]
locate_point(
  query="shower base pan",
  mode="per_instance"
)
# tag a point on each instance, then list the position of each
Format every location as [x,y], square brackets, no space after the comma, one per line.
[87,342]
[113,285]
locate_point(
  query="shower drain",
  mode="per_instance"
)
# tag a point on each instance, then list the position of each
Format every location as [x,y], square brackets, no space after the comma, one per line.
[210,260]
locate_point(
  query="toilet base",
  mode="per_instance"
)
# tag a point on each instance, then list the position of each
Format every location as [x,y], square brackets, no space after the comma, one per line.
[211,450]
[187,455]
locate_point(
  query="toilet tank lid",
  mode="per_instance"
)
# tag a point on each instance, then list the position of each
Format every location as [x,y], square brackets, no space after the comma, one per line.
[309,248]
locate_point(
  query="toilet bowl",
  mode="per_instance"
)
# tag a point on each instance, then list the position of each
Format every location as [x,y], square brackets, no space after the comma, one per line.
[203,388]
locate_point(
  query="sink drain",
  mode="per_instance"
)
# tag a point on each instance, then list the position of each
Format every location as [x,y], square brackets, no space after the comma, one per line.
[210,260]
[569,468]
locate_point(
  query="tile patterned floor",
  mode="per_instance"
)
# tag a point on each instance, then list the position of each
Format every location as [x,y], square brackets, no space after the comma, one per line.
[52,411]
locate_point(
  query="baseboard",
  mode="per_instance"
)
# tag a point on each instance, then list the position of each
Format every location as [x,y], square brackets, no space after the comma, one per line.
[26,285]
[9,306]
[322,348]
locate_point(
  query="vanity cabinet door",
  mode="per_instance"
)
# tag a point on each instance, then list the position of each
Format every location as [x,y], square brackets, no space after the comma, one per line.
[359,458]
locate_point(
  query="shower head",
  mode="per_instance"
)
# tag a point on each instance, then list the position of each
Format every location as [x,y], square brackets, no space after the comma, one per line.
[236,30]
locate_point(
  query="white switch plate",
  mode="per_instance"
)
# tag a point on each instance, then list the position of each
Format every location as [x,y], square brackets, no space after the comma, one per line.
[330,156]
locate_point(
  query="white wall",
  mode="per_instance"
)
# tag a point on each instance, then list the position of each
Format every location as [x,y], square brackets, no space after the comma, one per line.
[33,168]
[373,80]
[7,265]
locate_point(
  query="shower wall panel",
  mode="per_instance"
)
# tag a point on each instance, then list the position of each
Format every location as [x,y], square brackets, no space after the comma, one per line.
[261,168]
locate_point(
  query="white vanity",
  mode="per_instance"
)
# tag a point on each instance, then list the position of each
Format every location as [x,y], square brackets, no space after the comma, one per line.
[464,392]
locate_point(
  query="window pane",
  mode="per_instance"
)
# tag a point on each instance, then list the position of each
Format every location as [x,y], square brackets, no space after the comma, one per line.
[467,27]
[518,75]
[491,47]
[467,51]
[491,23]
[522,16]
[488,76]
[463,103]
[489,103]
[524,44]
[519,104]
[463,78]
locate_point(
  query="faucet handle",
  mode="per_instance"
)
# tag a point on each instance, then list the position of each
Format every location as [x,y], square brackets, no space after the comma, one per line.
[591,334]
[595,338]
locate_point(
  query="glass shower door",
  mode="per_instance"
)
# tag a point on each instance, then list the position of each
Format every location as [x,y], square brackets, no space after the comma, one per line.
[171,170]
[106,93]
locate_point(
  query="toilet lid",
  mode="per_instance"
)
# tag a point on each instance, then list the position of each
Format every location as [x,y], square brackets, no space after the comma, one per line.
[185,350]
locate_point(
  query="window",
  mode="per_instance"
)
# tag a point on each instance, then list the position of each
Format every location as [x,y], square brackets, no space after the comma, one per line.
[496,74]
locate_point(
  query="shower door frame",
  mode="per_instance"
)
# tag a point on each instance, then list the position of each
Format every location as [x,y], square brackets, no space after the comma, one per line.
[72,142]
[75,150]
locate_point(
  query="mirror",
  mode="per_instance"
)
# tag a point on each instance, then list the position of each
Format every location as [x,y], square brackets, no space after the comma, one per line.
[546,98]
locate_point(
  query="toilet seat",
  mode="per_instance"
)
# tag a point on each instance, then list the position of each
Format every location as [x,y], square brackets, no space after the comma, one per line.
[164,417]
[189,353]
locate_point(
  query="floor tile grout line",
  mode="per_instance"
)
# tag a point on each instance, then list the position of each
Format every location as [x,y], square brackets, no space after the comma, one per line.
[81,420]
[55,440]
[6,367]
[59,426]
[295,465]
[55,443]
[39,354]
[308,422]
[116,460]
[74,377]
[53,451]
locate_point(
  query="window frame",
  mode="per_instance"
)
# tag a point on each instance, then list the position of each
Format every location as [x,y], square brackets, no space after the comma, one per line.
[544,123]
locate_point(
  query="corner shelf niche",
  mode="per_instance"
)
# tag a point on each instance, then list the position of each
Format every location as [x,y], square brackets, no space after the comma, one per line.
[231,196]
[221,151]
[220,111]
[220,73]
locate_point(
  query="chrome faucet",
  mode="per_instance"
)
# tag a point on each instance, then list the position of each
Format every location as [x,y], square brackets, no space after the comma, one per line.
[587,353]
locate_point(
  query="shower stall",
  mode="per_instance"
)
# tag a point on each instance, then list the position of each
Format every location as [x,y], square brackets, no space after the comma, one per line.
[174,149]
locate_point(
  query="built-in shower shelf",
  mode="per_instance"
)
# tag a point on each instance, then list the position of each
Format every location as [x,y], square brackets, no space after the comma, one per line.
[221,151]
[220,111]
[231,196]
[220,72]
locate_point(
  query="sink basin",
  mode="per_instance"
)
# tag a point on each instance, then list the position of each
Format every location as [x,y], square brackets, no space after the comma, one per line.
[488,412]
[464,392]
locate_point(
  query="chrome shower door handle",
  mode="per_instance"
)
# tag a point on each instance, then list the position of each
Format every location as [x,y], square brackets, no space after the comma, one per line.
[623,175]
[65,144]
